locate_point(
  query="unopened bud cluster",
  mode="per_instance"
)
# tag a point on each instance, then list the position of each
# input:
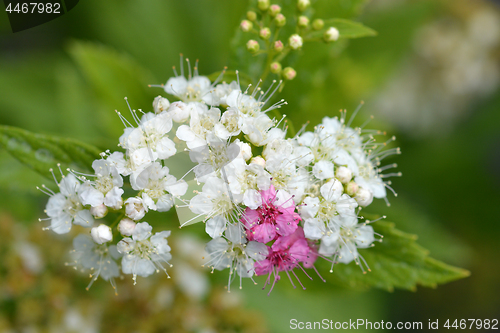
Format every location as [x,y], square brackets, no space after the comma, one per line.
[265,23]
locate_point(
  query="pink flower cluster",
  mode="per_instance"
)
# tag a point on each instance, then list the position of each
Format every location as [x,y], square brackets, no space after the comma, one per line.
[275,223]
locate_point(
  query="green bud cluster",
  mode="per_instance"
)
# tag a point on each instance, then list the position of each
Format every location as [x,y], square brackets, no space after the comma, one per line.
[266,21]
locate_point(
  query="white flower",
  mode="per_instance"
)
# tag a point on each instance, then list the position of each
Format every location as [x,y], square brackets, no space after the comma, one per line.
[194,89]
[101,234]
[144,254]
[65,208]
[135,208]
[219,95]
[157,187]
[214,199]
[235,253]
[105,189]
[149,141]
[368,177]
[351,236]
[319,213]
[100,259]
[201,125]
[212,158]
[323,170]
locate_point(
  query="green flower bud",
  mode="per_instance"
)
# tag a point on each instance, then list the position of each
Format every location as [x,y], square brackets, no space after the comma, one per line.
[303,21]
[253,46]
[280,20]
[263,4]
[351,188]
[265,33]
[303,4]
[274,10]
[251,15]
[278,46]
[331,35]
[246,25]
[275,67]
[289,73]
[318,24]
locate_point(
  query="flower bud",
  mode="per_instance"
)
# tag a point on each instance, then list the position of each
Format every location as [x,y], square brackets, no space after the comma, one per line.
[318,24]
[251,15]
[265,33]
[331,35]
[160,104]
[343,174]
[179,111]
[126,227]
[253,46]
[134,208]
[280,20]
[289,73]
[99,211]
[246,26]
[303,4]
[278,46]
[303,21]
[351,189]
[275,67]
[274,10]
[364,197]
[101,234]
[259,161]
[263,4]
[295,41]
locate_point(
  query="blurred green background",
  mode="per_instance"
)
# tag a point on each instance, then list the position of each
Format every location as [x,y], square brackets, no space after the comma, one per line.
[431,77]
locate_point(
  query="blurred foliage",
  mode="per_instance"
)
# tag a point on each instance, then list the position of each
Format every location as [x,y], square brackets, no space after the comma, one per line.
[447,194]
[32,280]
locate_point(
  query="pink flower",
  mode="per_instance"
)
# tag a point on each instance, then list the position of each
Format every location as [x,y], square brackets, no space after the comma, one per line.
[274,217]
[284,255]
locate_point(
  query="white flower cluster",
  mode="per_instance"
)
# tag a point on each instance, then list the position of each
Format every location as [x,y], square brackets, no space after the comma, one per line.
[266,213]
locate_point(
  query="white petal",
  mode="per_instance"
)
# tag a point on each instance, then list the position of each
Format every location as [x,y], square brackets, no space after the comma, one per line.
[84,218]
[114,197]
[252,199]
[164,203]
[235,234]
[176,86]
[332,190]
[323,170]
[142,231]
[256,250]
[310,207]
[165,148]
[215,226]
[314,229]
[69,185]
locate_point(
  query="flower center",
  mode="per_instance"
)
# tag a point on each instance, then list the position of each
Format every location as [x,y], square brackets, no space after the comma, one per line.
[73,205]
[326,210]
[104,184]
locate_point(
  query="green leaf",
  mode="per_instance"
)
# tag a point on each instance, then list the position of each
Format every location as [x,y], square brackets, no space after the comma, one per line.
[346,28]
[42,152]
[397,262]
[113,76]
